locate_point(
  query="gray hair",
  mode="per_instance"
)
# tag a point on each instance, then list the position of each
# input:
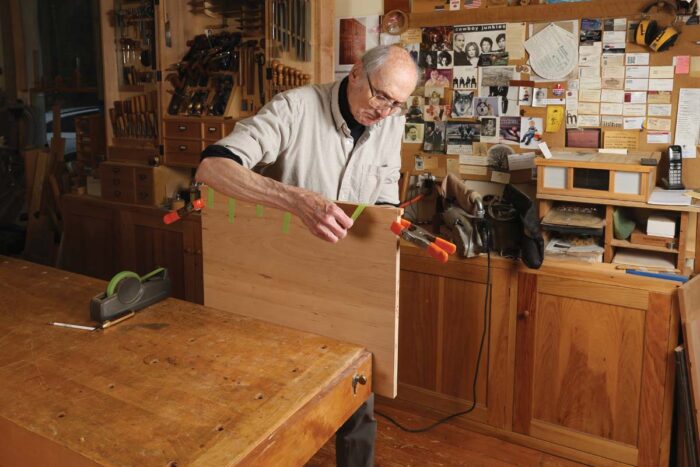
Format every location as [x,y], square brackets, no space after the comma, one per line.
[374,59]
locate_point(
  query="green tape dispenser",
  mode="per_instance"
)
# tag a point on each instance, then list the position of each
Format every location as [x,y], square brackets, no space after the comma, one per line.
[127,291]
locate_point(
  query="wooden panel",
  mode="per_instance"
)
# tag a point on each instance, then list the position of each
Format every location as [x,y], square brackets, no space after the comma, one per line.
[419,307]
[147,243]
[657,360]
[238,390]
[462,328]
[689,300]
[90,245]
[588,364]
[524,351]
[347,290]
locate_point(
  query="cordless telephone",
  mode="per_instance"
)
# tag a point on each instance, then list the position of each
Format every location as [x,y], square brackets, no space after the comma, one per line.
[674,180]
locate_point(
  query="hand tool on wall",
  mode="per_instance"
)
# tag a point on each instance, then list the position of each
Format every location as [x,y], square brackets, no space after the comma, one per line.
[437,247]
[260,61]
[128,292]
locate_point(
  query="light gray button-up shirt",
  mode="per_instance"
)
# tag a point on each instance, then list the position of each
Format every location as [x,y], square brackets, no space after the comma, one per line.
[300,138]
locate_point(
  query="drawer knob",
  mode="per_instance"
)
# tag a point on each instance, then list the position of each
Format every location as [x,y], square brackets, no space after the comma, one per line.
[525,314]
[142,177]
[182,128]
[182,147]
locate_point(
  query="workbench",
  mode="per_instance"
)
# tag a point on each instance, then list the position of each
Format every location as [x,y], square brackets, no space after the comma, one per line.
[178,384]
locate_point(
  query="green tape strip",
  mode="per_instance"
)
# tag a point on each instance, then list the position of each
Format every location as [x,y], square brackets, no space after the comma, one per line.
[259,210]
[231,210]
[358,211]
[210,197]
[285,222]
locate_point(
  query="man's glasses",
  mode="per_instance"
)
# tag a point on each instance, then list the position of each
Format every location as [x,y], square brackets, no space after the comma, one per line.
[379,102]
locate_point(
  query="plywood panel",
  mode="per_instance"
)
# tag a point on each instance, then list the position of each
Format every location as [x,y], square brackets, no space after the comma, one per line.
[349,290]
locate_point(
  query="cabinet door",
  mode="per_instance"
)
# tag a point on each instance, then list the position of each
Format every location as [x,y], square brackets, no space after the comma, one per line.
[89,243]
[147,243]
[591,367]
[441,322]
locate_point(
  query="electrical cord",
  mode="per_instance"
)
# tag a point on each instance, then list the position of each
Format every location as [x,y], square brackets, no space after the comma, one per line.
[487,314]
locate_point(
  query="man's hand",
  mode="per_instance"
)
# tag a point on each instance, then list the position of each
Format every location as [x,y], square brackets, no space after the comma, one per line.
[322,217]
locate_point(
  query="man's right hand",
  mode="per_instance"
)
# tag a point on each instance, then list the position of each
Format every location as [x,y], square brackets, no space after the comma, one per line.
[323,218]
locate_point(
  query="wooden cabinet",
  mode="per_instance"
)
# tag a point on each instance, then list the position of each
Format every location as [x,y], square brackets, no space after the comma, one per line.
[90,244]
[593,367]
[103,238]
[441,320]
[578,360]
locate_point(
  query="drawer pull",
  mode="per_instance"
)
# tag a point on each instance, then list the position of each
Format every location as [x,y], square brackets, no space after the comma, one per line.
[143,177]
[182,128]
[182,147]
[212,129]
[525,314]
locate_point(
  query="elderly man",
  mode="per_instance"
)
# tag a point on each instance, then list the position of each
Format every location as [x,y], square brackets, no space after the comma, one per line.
[319,143]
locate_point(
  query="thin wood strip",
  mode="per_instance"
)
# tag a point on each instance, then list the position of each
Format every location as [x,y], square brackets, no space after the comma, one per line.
[609,294]
[656,360]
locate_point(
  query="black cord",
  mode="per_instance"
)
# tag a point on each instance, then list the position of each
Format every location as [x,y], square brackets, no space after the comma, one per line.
[487,310]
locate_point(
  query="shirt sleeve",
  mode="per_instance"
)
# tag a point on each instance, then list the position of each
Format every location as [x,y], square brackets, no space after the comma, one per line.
[261,138]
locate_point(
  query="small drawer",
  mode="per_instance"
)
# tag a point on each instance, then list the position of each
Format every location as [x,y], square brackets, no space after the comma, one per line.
[183,129]
[182,160]
[118,194]
[124,174]
[212,131]
[179,146]
[143,177]
[144,196]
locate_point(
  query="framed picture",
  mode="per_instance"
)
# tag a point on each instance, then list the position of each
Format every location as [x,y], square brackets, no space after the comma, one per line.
[583,138]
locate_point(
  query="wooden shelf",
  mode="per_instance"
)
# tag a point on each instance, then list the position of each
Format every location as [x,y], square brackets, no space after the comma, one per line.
[637,246]
[617,202]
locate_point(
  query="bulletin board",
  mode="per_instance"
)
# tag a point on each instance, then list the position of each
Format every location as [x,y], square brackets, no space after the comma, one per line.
[441,164]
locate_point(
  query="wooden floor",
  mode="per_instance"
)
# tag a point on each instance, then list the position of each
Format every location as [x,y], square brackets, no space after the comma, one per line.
[445,445]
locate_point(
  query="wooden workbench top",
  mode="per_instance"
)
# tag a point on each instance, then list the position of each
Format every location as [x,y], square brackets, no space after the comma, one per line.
[177,383]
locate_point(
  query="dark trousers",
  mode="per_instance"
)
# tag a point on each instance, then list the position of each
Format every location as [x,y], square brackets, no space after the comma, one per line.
[354,441]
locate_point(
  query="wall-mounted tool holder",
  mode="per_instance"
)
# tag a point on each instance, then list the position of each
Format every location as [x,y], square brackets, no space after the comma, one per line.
[135,40]
[134,121]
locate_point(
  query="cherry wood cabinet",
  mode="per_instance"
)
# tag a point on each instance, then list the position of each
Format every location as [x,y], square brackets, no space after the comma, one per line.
[103,238]
[578,359]
[441,320]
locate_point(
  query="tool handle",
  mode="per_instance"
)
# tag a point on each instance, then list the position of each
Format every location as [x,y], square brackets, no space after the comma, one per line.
[397,228]
[449,247]
[174,216]
[438,253]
